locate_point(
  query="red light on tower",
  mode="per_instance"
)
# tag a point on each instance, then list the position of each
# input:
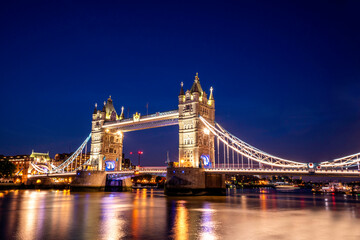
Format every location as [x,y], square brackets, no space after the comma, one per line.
[130,153]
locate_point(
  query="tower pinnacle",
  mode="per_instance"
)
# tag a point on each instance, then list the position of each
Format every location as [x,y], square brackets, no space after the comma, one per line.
[181,89]
[196,87]
[211,94]
[122,113]
[95,109]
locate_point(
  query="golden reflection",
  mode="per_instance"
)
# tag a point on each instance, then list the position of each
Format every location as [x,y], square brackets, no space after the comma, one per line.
[137,194]
[144,193]
[66,192]
[181,221]
[243,202]
[263,201]
[135,215]
[61,215]
[28,221]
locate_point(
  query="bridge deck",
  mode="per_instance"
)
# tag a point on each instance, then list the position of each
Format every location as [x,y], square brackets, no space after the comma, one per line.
[244,171]
[289,172]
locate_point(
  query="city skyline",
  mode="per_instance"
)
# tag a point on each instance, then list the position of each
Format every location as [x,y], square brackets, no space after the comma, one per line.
[287,84]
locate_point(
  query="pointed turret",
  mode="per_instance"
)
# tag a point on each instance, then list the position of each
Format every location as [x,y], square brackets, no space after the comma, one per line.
[211,94]
[109,108]
[196,87]
[182,89]
[211,101]
[95,109]
[121,117]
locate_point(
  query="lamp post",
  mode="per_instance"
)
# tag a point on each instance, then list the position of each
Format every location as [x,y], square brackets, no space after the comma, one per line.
[140,153]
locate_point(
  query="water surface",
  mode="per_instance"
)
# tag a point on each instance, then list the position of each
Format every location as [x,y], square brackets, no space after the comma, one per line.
[148,214]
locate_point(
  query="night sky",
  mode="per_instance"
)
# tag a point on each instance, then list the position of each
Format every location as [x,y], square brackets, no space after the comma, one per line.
[286,74]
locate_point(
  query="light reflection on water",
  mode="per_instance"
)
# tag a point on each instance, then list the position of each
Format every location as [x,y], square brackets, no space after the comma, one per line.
[148,214]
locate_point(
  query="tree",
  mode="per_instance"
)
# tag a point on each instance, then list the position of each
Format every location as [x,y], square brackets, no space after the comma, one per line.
[7,168]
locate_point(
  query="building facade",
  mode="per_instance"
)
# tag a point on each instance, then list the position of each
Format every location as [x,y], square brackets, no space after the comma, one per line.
[22,163]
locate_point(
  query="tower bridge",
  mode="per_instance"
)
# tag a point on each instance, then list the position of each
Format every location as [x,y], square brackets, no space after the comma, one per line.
[206,149]
[196,147]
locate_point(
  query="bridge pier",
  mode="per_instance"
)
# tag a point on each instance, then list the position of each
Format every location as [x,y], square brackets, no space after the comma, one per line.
[118,185]
[89,181]
[193,181]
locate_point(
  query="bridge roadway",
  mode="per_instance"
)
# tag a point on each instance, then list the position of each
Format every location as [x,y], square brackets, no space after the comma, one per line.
[244,171]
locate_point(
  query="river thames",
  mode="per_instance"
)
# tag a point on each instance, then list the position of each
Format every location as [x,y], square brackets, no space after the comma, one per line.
[148,214]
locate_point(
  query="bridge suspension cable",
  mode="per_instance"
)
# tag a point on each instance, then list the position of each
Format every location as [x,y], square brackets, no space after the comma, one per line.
[246,150]
[262,158]
[73,157]
[344,162]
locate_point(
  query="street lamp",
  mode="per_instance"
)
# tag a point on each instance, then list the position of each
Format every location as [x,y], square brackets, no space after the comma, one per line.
[140,153]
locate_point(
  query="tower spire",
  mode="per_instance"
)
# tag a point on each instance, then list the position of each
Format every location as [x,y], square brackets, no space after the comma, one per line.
[95,109]
[182,89]
[211,94]
[196,87]
[122,113]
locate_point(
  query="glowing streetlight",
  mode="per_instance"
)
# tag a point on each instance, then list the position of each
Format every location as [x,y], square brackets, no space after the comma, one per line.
[140,153]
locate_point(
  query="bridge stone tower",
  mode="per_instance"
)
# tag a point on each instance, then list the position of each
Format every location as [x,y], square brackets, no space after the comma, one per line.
[196,142]
[106,144]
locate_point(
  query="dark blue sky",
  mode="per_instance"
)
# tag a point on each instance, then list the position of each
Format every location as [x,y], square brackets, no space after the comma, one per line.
[286,74]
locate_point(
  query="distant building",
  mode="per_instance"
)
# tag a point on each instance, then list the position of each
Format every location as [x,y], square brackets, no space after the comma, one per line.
[22,163]
[126,164]
[40,157]
[41,160]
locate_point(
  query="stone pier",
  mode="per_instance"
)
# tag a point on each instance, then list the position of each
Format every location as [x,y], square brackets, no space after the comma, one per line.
[193,181]
[89,181]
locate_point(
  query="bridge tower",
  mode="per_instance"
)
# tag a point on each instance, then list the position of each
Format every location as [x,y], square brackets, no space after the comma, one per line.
[196,142]
[106,144]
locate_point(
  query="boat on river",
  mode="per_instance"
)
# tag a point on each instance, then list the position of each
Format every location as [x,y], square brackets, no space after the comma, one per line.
[283,186]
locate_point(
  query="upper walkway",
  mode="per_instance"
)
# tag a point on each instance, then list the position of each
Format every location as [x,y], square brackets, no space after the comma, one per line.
[159,119]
